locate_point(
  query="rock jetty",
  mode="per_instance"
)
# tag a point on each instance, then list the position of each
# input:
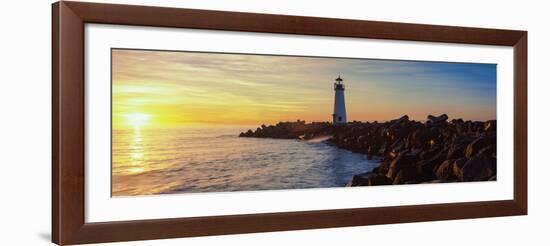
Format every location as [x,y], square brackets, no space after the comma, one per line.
[411,152]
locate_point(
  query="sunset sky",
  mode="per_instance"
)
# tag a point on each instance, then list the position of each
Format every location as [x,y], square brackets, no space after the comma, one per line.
[165,88]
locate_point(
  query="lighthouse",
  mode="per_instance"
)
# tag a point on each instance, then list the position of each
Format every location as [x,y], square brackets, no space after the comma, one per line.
[339,115]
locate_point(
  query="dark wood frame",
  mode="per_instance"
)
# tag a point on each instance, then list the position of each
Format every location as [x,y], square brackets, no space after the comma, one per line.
[68,224]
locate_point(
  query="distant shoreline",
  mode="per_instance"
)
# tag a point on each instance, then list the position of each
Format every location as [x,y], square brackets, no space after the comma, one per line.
[434,151]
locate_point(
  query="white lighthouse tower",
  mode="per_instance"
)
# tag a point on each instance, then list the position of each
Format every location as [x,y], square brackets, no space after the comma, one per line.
[339,115]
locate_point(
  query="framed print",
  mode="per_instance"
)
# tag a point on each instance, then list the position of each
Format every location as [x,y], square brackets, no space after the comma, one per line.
[174,122]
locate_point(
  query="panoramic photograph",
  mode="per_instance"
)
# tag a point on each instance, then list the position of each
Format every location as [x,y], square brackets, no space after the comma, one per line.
[195,122]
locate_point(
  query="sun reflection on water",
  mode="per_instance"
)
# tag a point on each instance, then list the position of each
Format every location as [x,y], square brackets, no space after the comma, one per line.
[137,153]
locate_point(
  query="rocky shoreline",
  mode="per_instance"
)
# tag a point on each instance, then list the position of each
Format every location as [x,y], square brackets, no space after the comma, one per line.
[411,152]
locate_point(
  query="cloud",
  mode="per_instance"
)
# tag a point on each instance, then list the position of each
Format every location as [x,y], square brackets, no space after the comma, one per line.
[226,85]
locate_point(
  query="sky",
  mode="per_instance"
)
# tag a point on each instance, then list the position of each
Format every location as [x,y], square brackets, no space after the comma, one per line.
[169,88]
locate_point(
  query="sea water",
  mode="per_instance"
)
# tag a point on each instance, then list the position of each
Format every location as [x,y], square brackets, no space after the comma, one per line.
[215,159]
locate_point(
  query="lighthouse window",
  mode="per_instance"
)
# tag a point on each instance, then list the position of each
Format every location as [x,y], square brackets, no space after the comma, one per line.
[339,118]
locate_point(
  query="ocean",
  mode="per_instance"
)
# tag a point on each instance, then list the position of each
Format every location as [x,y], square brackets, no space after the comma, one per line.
[214,159]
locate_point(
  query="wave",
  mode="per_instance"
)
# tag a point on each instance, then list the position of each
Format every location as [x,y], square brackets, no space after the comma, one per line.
[319,139]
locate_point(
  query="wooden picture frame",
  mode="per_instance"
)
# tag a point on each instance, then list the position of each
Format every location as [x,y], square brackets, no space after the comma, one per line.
[68,105]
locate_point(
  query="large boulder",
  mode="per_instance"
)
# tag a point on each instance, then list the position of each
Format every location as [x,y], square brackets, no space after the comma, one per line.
[479,143]
[406,176]
[458,146]
[437,120]
[490,125]
[403,119]
[419,138]
[457,121]
[477,168]
[370,179]
[427,168]
[445,170]
[457,166]
[402,161]
[456,150]
[360,179]
[248,133]
[378,179]
[382,167]
[490,150]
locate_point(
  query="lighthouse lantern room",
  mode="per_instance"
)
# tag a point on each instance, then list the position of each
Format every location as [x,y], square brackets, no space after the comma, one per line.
[339,115]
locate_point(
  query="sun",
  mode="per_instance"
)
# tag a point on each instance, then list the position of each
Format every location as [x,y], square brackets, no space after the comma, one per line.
[137,119]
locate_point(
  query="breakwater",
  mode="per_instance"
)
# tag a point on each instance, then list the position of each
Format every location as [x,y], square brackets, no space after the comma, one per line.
[433,151]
